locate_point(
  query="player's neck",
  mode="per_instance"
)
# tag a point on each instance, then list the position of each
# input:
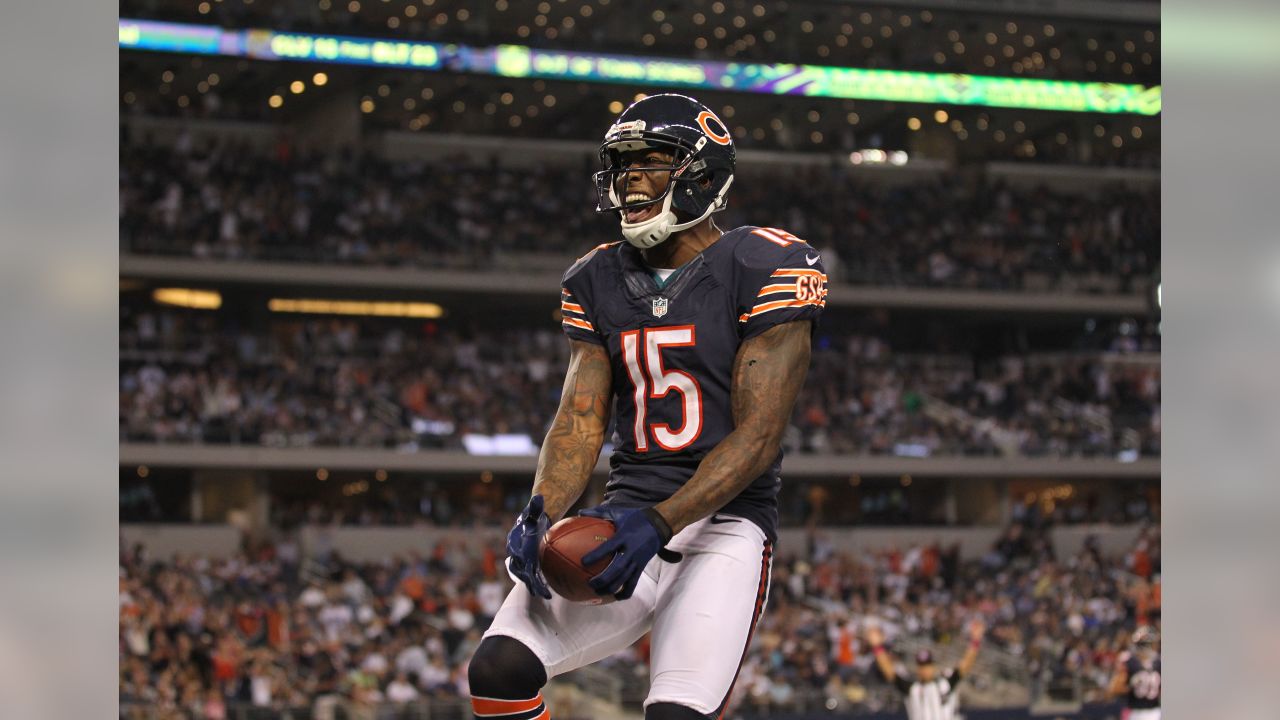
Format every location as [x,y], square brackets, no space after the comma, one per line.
[683,246]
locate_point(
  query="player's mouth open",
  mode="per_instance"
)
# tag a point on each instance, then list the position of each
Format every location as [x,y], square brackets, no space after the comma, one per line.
[635,215]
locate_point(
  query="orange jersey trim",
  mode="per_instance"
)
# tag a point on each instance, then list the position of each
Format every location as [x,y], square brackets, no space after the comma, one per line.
[798,272]
[778,237]
[778,305]
[572,307]
[575,322]
[776,240]
[781,287]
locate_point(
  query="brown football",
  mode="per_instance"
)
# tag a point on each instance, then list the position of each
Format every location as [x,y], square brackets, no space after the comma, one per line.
[561,555]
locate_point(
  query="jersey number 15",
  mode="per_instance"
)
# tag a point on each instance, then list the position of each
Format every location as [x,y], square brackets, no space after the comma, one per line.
[651,380]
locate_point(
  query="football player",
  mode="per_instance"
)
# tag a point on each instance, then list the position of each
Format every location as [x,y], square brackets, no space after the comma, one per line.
[1137,677]
[699,341]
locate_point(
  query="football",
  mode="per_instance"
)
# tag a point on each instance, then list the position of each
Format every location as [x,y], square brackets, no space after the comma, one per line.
[561,555]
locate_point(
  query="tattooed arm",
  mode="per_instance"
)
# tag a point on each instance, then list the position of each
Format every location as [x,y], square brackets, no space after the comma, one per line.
[573,443]
[767,375]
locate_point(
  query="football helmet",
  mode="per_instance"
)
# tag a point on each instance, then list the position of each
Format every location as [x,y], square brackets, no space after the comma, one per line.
[701,168]
[1145,637]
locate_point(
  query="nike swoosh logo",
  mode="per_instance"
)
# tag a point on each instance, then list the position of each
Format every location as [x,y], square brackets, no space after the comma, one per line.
[811,260]
[717,520]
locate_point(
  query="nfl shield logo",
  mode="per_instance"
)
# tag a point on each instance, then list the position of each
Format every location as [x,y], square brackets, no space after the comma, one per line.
[660,306]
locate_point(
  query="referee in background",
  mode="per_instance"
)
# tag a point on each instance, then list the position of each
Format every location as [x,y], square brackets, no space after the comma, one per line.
[932,694]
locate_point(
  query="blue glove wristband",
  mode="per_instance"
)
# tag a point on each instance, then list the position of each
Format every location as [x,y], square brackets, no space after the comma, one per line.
[639,534]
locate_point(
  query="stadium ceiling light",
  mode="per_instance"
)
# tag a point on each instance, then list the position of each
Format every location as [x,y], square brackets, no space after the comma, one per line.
[369,308]
[188,298]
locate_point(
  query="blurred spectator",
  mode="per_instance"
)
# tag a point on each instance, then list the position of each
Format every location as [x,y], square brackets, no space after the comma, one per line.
[194,377]
[229,201]
[193,637]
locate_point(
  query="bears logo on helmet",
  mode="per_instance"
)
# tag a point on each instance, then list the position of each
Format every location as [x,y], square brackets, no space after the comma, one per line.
[703,160]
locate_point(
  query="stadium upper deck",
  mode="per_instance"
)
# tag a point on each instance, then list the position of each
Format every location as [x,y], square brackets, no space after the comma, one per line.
[301,203]
[1115,41]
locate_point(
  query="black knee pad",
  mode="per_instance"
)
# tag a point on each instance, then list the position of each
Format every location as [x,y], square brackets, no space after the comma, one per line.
[505,668]
[672,711]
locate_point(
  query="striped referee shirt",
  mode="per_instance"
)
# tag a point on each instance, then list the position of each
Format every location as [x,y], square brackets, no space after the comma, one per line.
[933,700]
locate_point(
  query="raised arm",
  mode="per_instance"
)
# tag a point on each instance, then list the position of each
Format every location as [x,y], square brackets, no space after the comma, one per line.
[572,446]
[767,374]
[976,631]
[884,661]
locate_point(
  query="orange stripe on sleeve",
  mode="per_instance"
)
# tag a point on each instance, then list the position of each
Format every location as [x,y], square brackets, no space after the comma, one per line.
[779,305]
[572,307]
[797,272]
[575,322]
[777,288]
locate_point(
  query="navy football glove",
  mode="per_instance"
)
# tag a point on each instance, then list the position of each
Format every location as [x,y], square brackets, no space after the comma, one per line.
[638,535]
[522,547]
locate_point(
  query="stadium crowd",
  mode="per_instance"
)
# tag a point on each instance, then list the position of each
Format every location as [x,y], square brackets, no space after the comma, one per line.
[264,629]
[224,200]
[192,376]
[1063,619]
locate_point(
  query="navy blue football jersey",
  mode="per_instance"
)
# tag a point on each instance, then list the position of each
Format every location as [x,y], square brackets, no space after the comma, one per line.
[673,347]
[1144,683]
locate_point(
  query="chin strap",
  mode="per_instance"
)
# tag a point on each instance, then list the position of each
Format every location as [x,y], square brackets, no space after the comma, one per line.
[648,233]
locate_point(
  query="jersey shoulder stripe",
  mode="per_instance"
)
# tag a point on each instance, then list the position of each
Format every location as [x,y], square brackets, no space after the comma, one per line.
[576,303]
[571,313]
[777,271]
[581,323]
[778,237]
[764,248]
[569,304]
[779,305]
[776,288]
[799,272]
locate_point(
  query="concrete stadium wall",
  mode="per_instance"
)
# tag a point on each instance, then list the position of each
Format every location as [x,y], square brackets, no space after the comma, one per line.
[973,541]
[165,541]
[377,543]
[371,544]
